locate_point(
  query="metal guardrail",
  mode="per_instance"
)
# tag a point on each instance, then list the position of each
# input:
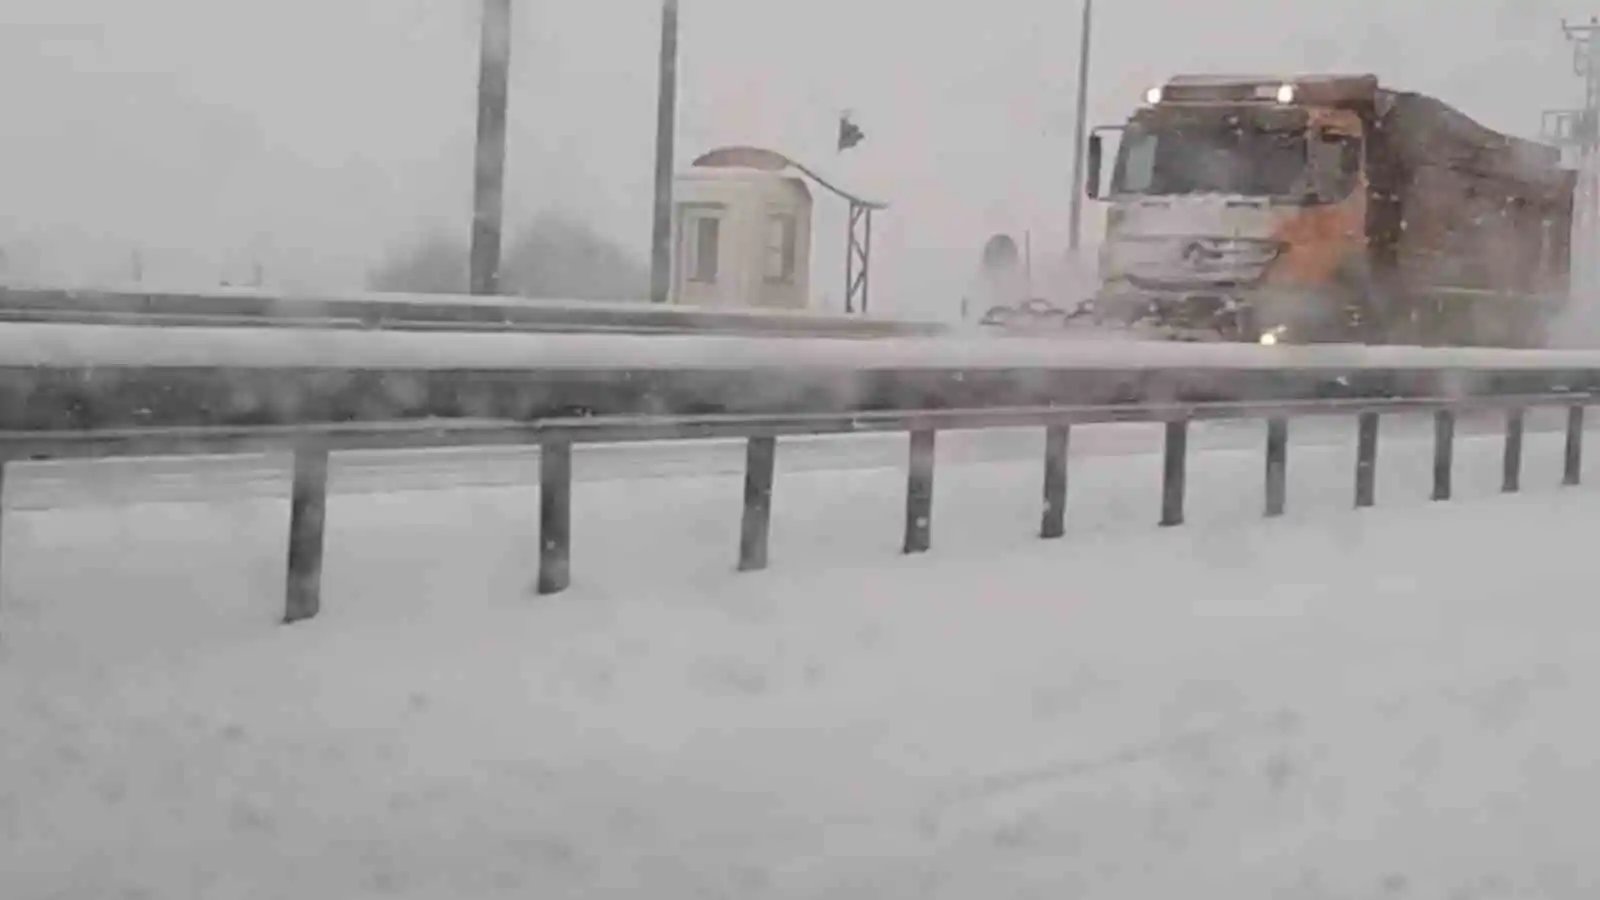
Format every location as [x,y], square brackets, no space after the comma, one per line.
[67,345]
[312,444]
[80,377]
[243,308]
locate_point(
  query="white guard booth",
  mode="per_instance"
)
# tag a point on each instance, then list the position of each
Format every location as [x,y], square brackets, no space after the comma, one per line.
[742,232]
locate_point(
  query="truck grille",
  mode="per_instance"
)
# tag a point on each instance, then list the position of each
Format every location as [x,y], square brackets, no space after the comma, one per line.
[1178,262]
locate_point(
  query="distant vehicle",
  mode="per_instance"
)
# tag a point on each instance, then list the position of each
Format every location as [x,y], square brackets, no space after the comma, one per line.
[1033,314]
[1327,208]
[1005,290]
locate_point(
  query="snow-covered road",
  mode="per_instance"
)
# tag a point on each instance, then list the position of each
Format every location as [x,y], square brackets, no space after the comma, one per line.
[1387,703]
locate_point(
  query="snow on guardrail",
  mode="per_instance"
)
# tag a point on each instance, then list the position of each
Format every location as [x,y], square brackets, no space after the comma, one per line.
[108,346]
[244,307]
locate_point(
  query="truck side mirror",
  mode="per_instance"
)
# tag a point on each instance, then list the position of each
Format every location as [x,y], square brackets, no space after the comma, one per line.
[1096,152]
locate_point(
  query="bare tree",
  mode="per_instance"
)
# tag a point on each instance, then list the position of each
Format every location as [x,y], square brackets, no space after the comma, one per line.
[433,265]
[554,257]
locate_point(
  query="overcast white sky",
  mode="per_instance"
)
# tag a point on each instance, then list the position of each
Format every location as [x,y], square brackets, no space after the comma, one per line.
[312,134]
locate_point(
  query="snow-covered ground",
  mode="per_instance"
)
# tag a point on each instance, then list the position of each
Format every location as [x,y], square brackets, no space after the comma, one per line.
[1386,703]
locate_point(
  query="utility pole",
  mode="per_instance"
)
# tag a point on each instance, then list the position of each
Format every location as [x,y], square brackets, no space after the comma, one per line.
[666,137]
[489,169]
[1081,128]
[1580,129]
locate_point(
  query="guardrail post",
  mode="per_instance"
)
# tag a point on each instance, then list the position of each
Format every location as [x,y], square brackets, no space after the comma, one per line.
[1056,438]
[919,493]
[1444,446]
[1511,476]
[761,455]
[308,513]
[555,516]
[1573,472]
[1174,475]
[1277,465]
[1366,459]
[5,465]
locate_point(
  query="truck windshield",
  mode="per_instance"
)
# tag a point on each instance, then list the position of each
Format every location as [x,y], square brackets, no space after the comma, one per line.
[1226,155]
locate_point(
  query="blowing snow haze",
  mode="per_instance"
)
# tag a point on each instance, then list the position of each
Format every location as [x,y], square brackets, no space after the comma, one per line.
[203,137]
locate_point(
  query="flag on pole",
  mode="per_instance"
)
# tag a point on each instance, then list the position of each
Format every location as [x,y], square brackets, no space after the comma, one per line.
[850,134]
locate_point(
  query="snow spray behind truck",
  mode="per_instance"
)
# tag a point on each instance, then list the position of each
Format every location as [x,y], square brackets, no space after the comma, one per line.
[1327,208]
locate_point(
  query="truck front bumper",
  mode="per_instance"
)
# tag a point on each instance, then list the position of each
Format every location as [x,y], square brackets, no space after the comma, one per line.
[1266,315]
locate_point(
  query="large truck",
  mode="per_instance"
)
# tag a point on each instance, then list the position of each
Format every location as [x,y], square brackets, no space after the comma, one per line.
[1327,208]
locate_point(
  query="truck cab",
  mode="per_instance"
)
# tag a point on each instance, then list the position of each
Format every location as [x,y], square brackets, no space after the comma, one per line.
[1327,208]
[1238,210]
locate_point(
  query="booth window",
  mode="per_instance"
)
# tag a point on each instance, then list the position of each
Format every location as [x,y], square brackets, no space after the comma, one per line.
[703,234]
[782,236]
